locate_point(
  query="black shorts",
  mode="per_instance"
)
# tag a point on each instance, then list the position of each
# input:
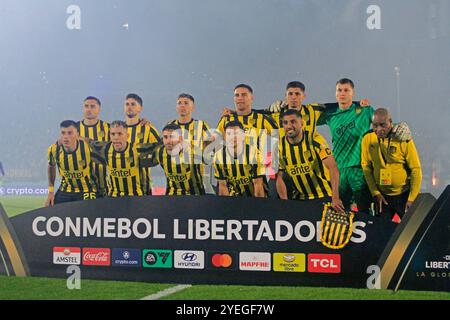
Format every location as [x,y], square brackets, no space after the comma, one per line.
[61,196]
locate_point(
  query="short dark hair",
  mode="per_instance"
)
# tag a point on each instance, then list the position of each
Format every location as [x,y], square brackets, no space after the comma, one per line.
[290,112]
[135,97]
[171,127]
[187,96]
[119,123]
[346,81]
[93,98]
[243,85]
[234,123]
[68,123]
[296,84]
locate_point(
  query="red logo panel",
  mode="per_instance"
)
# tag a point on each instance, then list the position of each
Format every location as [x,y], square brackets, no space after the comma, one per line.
[96,256]
[324,263]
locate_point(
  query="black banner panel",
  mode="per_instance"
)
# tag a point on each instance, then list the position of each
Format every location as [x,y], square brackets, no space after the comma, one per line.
[201,240]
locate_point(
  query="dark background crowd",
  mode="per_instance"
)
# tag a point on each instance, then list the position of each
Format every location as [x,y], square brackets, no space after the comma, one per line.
[49,64]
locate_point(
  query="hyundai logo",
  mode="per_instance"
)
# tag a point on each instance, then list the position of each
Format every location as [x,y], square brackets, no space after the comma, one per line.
[189,256]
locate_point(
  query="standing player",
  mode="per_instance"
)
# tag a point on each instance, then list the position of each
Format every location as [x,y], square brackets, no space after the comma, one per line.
[195,132]
[256,125]
[348,123]
[139,133]
[239,165]
[178,160]
[259,128]
[93,128]
[308,162]
[73,158]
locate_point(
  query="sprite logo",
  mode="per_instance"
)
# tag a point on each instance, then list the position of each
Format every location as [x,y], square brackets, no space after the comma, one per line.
[157,258]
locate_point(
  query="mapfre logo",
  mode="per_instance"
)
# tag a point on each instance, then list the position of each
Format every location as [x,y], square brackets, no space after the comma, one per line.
[96,256]
[255,261]
[66,255]
[324,263]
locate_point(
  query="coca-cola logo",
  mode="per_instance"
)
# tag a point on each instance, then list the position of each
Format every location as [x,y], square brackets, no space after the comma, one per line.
[97,256]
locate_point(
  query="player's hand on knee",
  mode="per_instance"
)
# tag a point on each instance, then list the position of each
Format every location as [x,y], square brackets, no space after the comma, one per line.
[50,199]
[380,201]
[337,205]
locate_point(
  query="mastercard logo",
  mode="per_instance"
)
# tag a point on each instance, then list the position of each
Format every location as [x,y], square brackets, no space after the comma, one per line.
[220,260]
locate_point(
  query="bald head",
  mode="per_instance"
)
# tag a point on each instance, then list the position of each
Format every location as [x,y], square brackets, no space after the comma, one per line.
[381,122]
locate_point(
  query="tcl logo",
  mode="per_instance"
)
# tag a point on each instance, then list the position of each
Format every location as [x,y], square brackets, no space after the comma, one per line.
[96,256]
[324,263]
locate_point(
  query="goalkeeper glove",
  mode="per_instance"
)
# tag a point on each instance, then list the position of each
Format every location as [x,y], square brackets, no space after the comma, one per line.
[277,106]
[401,131]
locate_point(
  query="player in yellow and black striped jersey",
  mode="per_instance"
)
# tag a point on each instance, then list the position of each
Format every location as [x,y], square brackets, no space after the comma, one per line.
[295,94]
[139,133]
[181,165]
[239,166]
[195,132]
[309,162]
[257,126]
[73,159]
[124,162]
[93,128]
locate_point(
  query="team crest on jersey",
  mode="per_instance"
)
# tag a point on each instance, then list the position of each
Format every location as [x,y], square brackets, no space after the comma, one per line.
[392,149]
[252,122]
[358,110]
[81,163]
[140,135]
[101,134]
[307,154]
[305,118]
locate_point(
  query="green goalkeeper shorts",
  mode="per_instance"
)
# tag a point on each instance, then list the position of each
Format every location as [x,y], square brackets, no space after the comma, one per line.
[353,189]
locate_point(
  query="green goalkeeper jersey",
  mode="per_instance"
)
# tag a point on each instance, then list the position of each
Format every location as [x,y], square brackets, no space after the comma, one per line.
[347,129]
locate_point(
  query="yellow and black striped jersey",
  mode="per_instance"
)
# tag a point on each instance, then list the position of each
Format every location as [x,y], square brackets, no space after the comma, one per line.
[196,132]
[240,171]
[183,174]
[310,115]
[97,132]
[126,171]
[303,162]
[139,134]
[258,127]
[142,134]
[75,167]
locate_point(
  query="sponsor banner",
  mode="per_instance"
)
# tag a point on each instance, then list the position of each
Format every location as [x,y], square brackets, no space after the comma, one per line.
[289,262]
[126,257]
[222,260]
[324,263]
[203,233]
[254,261]
[157,258]
[96,256]
[66,255]
[189,259]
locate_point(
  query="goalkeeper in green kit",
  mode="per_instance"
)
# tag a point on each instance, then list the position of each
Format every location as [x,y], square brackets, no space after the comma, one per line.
[348,123]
